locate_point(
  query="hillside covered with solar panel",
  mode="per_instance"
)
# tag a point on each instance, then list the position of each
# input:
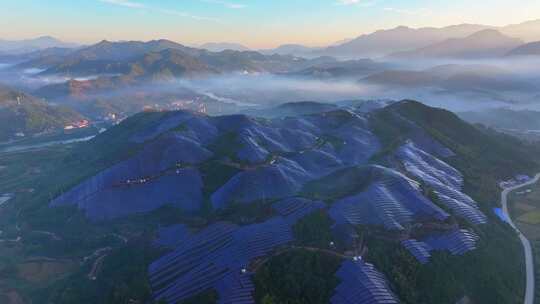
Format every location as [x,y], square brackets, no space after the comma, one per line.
[344,205]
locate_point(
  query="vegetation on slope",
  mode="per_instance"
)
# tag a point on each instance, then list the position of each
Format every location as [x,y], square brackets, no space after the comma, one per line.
[494,273]
[22,113]
[297,277]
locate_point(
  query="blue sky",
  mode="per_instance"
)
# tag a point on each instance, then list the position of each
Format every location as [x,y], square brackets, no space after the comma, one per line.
[256,23]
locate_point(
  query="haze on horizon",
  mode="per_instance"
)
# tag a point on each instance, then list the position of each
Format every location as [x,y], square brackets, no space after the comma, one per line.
[254,23]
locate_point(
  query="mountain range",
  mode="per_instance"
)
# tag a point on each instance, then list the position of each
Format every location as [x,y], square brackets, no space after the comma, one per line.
[378,43]
[223,46]
[30,45]
[484,44]
[161,56]
[385,42]
[529,49]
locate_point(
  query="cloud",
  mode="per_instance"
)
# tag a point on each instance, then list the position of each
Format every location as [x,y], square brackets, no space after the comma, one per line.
[361,3]
[184,14]
[348,2]
[417,12]
[226,4]
[137,5]
[125,3]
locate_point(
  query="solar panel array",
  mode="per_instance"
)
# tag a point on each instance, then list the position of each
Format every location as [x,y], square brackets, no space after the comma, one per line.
[102,200]
[214,258]
[276,181]
[143,182]
[458,242]
[392,201]
[362,283]
[446,182]
[277,157]
[263,139]
[421,139]
[293,209]
[284,158]
[236,288]
[420,250]
[170,237]
[195,125]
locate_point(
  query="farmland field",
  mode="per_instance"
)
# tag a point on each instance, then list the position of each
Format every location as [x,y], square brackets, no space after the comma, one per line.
[525,208]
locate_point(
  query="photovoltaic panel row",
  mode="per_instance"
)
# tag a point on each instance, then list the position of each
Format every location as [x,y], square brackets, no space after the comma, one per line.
[216,258]
[362,283]
[457,242]
[445,181]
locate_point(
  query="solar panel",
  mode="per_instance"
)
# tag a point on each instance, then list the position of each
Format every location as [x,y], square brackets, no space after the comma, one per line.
[362,283]
[101,199]
[213,259]
[446,182]
[172,236]
[293,209]
[457,242]
[392,201]
[420,250]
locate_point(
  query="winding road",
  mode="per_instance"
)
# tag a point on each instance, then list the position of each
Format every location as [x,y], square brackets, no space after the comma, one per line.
[529,263]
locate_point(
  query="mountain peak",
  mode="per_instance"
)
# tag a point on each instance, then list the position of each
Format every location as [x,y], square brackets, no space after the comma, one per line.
[487,33]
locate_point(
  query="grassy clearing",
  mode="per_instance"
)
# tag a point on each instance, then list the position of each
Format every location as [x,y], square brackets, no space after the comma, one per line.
[532,218]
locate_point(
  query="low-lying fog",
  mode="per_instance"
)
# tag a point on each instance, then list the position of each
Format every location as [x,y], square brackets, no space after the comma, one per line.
[458,85]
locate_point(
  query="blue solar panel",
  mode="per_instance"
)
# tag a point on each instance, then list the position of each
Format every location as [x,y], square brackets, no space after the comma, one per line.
[320,162]
[446,181]
[282,179]
[359,144]
[214,258]
[144,181]
[420,250]
[101,199]
[251,151]
[458,242]
[362,283]
[236,288]
[293,209]
[195,124]
[172,236]
[392,201]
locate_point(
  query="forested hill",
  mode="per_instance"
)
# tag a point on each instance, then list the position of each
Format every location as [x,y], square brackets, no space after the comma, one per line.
[24,114]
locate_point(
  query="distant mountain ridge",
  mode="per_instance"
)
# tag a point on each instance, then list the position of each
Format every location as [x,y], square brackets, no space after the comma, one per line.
[487,43]
[403,38]
[127,57]
[222,46]
[292,49]
[30,45]
[399,39]
[529,49]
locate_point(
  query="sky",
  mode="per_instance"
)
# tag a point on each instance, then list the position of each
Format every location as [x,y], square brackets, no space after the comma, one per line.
[254,23]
